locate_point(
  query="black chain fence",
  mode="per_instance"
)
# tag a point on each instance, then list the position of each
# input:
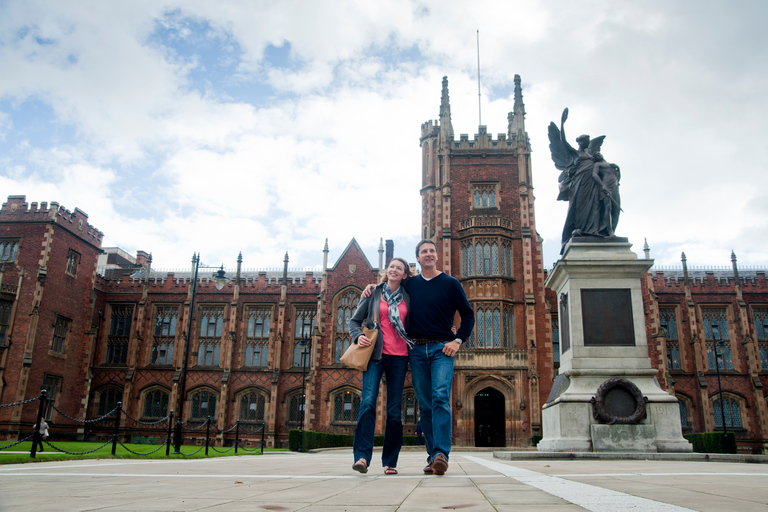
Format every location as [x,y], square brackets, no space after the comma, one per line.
[140,432]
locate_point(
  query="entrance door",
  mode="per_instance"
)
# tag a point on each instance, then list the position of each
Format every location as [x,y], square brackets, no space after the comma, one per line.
[489,418]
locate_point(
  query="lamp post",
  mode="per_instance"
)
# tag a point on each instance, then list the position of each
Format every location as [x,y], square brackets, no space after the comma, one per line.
[718,354]
[304,344]
[220,280]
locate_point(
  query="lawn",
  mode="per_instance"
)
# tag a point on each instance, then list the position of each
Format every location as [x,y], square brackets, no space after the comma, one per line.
[98,450]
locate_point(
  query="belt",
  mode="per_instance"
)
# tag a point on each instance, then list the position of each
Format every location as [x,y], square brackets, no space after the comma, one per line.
[423,341]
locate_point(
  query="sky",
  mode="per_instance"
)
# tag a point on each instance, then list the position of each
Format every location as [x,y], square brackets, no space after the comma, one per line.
[265,128]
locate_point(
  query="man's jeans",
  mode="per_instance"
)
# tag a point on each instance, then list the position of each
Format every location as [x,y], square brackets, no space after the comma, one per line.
[432,377]
[394,367]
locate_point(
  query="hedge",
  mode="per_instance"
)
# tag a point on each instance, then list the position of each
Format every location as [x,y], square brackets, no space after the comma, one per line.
[314,440]
[711,442]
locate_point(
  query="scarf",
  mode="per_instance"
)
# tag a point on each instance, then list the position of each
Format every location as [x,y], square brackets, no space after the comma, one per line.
[393,300]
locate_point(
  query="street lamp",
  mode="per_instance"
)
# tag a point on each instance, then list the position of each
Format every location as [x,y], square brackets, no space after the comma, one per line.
[718,354]
[304,344]
[220,280]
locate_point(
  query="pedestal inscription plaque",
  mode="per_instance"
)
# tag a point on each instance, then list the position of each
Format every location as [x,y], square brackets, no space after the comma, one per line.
[607,316]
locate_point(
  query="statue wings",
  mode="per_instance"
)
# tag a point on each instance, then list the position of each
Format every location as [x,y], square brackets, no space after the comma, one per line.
[563,154]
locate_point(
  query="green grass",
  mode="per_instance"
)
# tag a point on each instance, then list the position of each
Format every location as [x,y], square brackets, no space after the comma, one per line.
[105,452]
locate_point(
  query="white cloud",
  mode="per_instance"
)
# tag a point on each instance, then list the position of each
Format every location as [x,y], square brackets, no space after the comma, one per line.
[331,144]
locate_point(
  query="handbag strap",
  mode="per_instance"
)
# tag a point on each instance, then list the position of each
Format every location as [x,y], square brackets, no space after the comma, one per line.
[375,309]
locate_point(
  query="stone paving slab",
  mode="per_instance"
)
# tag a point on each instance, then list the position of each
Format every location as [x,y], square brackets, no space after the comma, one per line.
[325,482]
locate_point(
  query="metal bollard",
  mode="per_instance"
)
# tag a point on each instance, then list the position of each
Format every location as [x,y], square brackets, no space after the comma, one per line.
[117,428]
[207,433]
[168,439]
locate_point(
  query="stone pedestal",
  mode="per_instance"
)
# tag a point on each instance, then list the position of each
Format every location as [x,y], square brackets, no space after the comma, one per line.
[606,397]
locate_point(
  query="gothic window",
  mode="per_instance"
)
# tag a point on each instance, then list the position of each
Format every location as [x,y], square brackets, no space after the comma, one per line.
[410,408]
[305,324]
[211,327]
[52,384]
[156,404]
[345,306]
[488,327]
[164,335]
[203,405]
[556,340]
[509,329]
[5,320]
[119,334]
[761,328]
[9,249]
[252,406]
[346,406]
[716,337]
[108,400]
[668,324]
[685,422]
[60,330]
[73,259]
[485,258]
[731,411]
[295,407]
[484,195]
[257,336]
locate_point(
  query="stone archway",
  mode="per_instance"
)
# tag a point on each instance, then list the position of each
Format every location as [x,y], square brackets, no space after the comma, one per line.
[489,418]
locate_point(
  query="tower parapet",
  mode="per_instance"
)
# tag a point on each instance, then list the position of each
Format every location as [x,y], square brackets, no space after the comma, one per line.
[16,209]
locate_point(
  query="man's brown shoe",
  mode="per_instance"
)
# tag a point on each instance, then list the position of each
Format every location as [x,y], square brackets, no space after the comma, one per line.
[439,464]
[428,468]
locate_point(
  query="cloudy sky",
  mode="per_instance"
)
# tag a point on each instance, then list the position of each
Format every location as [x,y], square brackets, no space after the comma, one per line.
[265,127]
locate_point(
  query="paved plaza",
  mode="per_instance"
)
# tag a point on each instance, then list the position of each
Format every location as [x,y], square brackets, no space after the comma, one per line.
[315,482]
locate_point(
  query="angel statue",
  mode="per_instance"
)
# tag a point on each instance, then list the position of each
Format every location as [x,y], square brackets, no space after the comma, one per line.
[587,182]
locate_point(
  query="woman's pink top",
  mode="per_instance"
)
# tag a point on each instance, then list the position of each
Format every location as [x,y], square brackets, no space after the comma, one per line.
[394,345]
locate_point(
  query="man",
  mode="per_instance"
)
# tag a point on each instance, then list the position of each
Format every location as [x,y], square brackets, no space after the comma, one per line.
[436,297]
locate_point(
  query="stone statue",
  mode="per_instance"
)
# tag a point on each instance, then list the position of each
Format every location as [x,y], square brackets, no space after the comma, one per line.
[587,182]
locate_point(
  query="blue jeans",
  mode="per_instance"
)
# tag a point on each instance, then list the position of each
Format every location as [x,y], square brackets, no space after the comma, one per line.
[432,376]
[394,367]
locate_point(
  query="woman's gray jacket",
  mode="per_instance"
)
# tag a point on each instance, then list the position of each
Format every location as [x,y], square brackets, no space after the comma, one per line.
[365,312]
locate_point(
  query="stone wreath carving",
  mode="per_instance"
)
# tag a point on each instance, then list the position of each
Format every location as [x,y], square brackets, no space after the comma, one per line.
[619,401]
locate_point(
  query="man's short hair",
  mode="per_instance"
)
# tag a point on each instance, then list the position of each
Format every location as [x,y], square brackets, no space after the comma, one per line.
[425,241]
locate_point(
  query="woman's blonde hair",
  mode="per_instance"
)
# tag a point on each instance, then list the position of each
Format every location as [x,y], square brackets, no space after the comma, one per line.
[408,272]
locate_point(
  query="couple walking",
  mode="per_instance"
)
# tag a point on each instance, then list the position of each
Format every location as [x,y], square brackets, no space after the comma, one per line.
[416,324]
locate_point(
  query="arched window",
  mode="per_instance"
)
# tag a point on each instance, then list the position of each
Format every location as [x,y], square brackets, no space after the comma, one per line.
[685,413]
[716,337]
[156,404]
[463,263]
[761,328]
[203,405]
[108,399]
[164,335]
[346,406]
[494,259]
[486,259]
[252,406]
[211,326]
[668,325]
[257,336]
[478,259]
[345,306]
[304,325]
[731,412]
[478,200]
[295,403]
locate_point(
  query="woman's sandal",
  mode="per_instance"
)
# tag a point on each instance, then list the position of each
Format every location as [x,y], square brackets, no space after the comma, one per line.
[390,471]
[360,466]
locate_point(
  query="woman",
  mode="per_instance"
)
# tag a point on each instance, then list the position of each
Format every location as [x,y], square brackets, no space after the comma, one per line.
[390,357]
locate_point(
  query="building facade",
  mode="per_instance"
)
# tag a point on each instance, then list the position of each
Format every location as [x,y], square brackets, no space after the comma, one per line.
[96,326]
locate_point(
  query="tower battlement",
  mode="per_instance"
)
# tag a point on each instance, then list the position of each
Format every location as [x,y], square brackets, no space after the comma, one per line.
[16,209]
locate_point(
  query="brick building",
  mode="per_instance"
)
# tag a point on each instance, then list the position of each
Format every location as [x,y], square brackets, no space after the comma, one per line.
[97,335]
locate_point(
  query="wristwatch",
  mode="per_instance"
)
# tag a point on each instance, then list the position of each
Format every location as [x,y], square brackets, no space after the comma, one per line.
[459,341]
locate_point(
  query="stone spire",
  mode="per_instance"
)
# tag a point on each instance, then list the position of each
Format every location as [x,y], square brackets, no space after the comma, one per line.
[516,118]
[446,128]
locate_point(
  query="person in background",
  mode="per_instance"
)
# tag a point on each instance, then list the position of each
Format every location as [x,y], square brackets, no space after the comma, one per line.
[390,358]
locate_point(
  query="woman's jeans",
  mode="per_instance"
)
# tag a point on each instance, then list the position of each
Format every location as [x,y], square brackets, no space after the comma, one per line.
[394,367]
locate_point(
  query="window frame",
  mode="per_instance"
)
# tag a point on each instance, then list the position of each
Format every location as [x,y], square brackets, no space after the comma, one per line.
[262,399]
[152,391]
[193,395]
[250,338]
[211,344]
[73,262]
[487,192]
[355,395]
[52,384]
[344,302]
[667,312]
[62,326]
[117,337]
[297,359]
[166,339]
[11,246]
